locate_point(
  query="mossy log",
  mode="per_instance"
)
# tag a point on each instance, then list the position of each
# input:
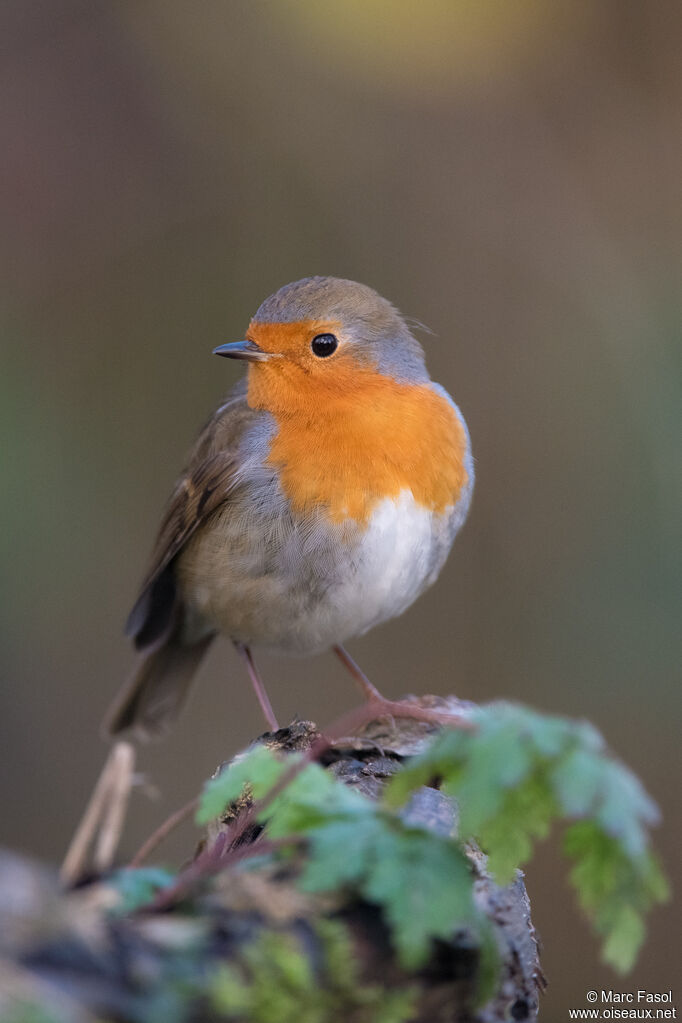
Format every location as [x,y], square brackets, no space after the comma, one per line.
[253,947]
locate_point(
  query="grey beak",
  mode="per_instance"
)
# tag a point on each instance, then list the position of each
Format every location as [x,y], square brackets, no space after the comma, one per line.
[242,350]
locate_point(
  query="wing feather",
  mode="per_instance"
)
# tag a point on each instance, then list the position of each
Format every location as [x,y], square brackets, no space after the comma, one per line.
[207,482]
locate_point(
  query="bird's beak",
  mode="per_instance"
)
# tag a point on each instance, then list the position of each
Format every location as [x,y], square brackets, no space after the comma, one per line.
[243,350]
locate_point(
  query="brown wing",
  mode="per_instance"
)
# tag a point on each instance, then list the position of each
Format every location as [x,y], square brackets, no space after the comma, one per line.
[206,483]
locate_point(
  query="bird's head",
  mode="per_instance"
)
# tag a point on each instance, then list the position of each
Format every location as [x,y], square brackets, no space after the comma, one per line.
[322,337]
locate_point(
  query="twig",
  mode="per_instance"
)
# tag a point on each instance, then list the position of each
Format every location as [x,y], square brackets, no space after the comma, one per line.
[113,817]
[220,856]
[103,816]
[163,830]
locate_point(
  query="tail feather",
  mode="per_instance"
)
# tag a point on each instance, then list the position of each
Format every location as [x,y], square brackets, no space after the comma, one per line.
[157,690]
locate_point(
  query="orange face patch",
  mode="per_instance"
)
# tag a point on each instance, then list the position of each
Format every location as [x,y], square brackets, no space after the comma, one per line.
[292,339]
[347,436]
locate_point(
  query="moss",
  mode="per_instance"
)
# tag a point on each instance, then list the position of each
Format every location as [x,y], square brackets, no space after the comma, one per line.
[277,983]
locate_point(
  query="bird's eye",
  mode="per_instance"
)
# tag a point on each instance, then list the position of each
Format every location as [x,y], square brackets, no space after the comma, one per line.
[324,345]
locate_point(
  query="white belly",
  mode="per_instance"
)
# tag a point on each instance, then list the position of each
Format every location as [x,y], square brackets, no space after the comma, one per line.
[301,589]
[399,555]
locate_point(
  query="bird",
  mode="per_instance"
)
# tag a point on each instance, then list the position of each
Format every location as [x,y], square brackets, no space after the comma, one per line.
[320,499]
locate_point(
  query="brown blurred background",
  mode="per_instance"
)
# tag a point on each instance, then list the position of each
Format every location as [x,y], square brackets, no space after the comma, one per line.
[511,174]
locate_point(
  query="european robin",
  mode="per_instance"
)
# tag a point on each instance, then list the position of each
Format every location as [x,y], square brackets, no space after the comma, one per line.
[321,498]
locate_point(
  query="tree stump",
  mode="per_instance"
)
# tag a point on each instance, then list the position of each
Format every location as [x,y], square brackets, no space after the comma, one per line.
[72,956]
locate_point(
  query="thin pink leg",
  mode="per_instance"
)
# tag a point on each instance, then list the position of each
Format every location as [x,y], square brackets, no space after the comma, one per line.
[395,708]
[259,688]
[369,691]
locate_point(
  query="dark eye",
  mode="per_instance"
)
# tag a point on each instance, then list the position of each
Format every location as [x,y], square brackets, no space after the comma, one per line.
[324,345]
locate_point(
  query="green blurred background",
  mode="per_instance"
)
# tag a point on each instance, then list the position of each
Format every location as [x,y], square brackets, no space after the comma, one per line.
[510,174]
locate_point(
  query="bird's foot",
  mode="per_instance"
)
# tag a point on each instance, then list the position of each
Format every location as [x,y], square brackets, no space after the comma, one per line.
[411,709]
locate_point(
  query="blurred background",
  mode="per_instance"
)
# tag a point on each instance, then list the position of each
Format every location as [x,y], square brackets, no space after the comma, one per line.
[511,175]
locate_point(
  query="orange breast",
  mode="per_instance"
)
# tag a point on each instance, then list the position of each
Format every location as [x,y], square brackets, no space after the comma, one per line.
[347,441]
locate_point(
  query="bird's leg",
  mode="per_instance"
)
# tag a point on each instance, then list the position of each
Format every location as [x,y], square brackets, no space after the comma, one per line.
[370,692]
[259,688]
[392,708]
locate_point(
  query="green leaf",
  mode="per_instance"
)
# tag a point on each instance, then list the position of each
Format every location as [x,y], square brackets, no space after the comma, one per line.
[517,772]
[137,887]
[624,939]
[576,782]
[614,888]
[259,769]
[623,808]
[512,776]
[498,776]
[340,853]
[525,814]
[313,798]
[425,885]
[423,882]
